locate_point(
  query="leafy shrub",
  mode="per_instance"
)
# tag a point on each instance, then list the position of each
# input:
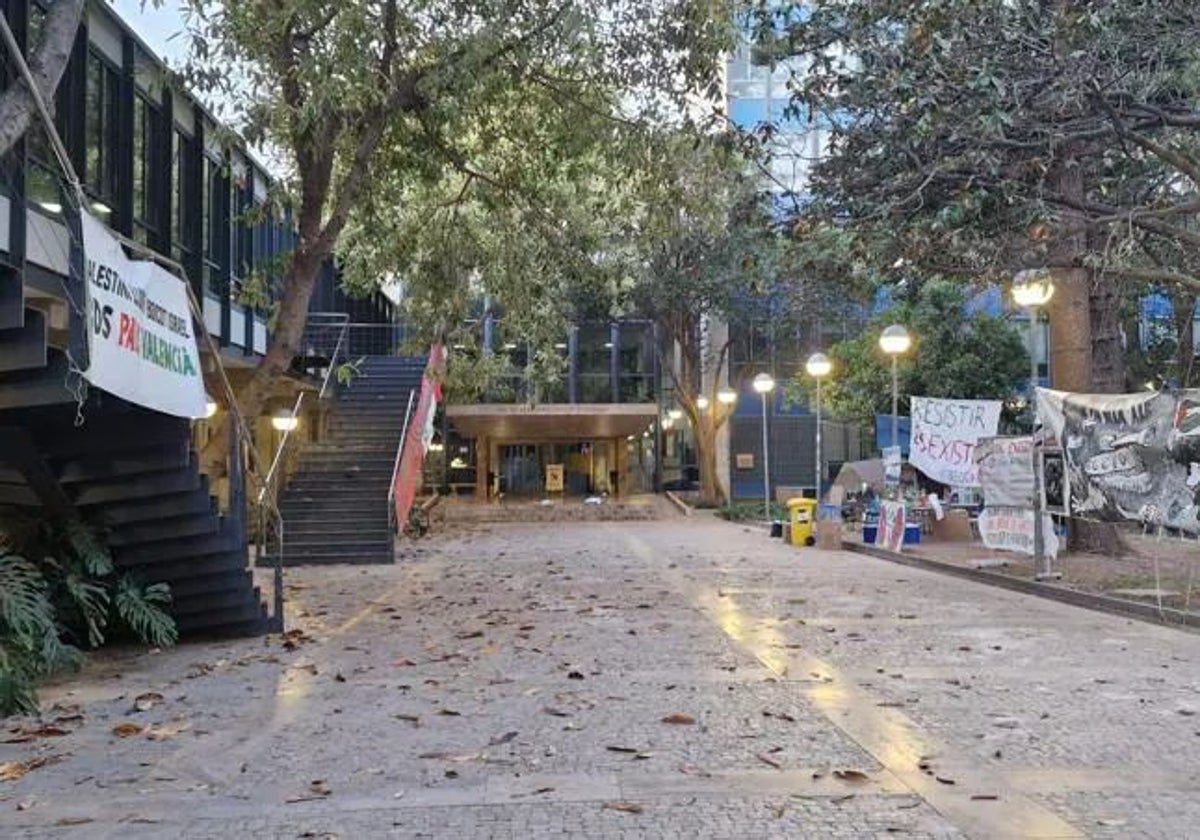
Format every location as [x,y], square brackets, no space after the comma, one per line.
[60,594]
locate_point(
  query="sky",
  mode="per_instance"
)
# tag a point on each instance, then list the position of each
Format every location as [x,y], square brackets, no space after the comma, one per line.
[156,26]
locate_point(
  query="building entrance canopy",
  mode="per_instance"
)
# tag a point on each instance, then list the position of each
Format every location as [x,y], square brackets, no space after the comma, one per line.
[555,422]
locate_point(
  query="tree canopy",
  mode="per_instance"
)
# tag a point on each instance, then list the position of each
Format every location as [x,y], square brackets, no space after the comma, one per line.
[957,353]
[970,138]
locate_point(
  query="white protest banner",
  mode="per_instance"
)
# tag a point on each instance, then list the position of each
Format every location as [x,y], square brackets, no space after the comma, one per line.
[1011,529]
[944,434]
[1006,471]
[140,340]
[890,532]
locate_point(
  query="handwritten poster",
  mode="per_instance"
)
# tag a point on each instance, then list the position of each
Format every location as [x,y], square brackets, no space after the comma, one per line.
[944,436]
[1006,471]
[1011,529]
[890,533]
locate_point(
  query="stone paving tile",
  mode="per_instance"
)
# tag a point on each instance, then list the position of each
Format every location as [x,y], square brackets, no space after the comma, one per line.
[475,690]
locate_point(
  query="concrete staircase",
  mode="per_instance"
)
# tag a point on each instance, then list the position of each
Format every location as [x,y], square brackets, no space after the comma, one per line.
[127,472]
[335,507]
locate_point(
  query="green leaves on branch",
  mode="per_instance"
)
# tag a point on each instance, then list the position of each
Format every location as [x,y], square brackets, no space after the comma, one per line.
[58,593]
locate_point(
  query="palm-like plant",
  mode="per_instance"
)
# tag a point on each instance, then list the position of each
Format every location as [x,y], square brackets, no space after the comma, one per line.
[59,593]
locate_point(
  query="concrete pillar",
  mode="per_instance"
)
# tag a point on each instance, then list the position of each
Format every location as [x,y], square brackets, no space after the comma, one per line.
[482,465]
[622,467]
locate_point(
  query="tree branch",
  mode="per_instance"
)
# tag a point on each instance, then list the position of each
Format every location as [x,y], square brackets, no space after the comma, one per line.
[47,64]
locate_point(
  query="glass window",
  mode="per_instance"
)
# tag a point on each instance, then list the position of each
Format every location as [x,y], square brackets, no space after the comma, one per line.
[180,217]
[145,179]
[100,125]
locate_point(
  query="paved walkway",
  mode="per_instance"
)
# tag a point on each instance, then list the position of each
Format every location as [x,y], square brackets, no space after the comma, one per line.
[513,682]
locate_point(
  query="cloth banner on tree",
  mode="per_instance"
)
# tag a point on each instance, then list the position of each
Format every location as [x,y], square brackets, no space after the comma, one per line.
[944,434]
[418,437]
[1011,529]
[1129,456]
[890,532]
[141,346]
[1006,471]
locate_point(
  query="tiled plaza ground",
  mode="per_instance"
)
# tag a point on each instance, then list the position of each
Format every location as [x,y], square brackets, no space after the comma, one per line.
[513,681]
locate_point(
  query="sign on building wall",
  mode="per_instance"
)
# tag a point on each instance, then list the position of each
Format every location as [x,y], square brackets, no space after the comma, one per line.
[944,435]
[1127,456]
[1011,529]
[1006,471]
[141,345]
[890,533]
[745,461]
[554,478]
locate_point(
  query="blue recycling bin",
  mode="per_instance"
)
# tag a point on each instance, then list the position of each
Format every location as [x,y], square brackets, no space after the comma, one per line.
[912,534]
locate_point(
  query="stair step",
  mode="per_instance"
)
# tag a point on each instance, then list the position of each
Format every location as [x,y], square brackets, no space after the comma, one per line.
[215,601]
[192,567]
[372,558]
[139,487]
[148,459]
[190,588]
[178,504]
[226,539]
[246,620]
[157,530]
[24,348]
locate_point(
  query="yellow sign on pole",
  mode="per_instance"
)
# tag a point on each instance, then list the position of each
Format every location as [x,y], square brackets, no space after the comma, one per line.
[554,478]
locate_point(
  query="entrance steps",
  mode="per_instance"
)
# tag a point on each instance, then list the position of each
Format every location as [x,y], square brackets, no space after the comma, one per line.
[635,509]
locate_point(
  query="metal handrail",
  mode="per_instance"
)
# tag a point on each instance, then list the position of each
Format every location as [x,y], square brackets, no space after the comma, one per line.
[279,449]
[396,526]
[344,317]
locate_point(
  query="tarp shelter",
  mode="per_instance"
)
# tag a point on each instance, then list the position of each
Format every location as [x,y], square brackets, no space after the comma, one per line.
[854,474]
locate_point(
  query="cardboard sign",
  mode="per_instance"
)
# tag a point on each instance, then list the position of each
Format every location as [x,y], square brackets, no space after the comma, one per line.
[141,346]
[890,533]
[944,436]
[554,478]
[1006,471]
[1011,529]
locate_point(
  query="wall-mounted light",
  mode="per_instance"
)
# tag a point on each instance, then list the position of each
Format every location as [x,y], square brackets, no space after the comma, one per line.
[101,209]
[210,408]
[727,396]
[436,447]
[675,414]
[560,346]
[702,403]
[51,207]
[284,421]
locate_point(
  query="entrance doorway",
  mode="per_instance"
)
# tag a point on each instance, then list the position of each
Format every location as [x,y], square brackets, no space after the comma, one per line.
[588,468]
[521,470]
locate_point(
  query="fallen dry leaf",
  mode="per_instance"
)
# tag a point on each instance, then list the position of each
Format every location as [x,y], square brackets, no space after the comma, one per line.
[146,702]
[626,807]
[502,739]
[550,710]
[74,821]
[630,750]
[11,771]
[162,733]
[850,775]
[128,730]
[766,759]
[679,718]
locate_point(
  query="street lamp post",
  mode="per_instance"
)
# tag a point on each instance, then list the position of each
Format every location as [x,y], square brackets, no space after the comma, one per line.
[1033,290]
[895,342]
[818,367]
[765,384]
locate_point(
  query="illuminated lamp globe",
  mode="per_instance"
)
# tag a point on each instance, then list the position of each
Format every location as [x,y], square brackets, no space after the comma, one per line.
[818,365]
[895,340]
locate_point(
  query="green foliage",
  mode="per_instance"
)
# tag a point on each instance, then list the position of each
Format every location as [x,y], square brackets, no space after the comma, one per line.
[954,355]
[972,138]
[347,371]
[59,593]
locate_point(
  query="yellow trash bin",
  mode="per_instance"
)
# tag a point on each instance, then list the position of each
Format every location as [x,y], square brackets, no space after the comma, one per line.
[802,518]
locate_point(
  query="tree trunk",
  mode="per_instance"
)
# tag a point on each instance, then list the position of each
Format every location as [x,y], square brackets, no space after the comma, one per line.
[1070,347]
[1184,304]
[47,63]
[1108,344]
[252,399]
[711,491]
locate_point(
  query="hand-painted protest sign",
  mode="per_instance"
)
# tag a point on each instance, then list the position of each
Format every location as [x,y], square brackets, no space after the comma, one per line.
[944,436]
[890,533]
[892,466]
[1129,457]
[140,341]
[1011,529]
[1006,471]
